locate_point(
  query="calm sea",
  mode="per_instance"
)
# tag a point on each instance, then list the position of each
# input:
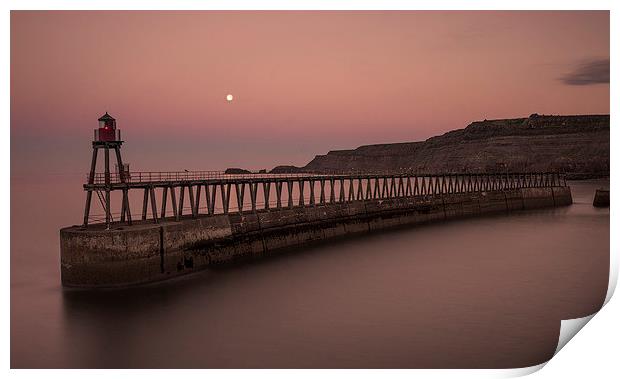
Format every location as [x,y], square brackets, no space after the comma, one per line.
[475,293]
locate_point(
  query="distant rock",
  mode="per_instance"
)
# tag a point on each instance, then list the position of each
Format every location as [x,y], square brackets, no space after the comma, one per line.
[576,145]
[286,170]
[601,198]
[236,171]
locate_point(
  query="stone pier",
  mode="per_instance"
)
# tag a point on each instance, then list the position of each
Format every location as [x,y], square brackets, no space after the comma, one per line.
[144,251]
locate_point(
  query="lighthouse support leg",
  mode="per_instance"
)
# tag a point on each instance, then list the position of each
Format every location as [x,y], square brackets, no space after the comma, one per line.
[89,195]
[93,166]
[108,214]
[127,209]
[123,206]
[119,160]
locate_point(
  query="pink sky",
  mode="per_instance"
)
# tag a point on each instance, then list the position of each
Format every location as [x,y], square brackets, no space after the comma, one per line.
[304,82]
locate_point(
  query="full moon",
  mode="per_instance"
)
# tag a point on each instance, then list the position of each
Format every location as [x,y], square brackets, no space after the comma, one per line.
[229,97]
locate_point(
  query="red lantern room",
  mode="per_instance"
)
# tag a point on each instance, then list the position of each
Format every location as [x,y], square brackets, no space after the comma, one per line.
[107,131]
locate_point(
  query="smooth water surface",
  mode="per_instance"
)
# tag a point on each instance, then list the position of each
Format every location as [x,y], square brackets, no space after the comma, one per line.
[485,292]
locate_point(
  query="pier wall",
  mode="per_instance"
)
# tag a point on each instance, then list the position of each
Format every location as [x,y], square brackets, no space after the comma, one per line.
[146,252]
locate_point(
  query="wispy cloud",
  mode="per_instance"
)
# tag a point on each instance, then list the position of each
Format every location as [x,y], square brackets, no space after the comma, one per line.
[591,72]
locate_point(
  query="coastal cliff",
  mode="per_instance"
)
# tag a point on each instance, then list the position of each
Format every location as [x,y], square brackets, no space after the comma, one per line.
[576,145]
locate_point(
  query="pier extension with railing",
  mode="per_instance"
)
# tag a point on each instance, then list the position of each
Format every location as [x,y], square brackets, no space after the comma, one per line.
[203,193]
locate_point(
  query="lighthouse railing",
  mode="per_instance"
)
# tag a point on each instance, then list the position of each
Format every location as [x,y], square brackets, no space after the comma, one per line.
[99,137]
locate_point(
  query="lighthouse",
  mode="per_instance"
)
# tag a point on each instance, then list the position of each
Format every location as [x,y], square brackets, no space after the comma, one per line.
[106,137]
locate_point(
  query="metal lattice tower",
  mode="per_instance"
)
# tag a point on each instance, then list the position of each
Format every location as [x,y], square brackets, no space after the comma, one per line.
[106,137]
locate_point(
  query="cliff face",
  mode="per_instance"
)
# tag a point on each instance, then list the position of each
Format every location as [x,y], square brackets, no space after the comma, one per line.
[577,145]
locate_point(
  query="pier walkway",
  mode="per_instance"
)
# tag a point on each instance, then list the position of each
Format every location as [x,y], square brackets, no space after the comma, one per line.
[200,193]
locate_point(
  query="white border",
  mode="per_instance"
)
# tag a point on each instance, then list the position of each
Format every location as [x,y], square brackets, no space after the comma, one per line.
[594,353]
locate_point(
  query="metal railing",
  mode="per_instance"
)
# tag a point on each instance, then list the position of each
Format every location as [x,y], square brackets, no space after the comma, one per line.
[138,177]
[291,190]
[180,176]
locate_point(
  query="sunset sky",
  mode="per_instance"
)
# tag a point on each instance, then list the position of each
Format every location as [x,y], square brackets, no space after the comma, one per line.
[303,83]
